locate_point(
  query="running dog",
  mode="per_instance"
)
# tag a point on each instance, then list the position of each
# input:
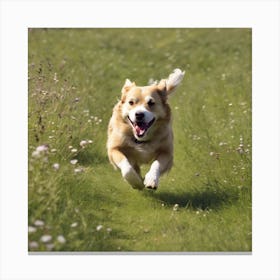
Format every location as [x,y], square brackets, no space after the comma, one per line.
[140,131]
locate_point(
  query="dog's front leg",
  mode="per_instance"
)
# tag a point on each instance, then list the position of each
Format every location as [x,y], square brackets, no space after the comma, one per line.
[162,164]
[127,170]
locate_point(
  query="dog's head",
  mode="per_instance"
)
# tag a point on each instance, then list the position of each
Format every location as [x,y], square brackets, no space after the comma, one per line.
[143,107]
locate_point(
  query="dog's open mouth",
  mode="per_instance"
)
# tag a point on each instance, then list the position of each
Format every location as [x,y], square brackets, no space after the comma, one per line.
[140,127]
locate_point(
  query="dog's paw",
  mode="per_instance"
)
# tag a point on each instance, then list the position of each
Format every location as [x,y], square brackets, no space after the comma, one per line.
[130,175]
[151,180]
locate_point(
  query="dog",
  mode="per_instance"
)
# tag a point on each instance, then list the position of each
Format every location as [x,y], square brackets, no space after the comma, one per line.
[140,131]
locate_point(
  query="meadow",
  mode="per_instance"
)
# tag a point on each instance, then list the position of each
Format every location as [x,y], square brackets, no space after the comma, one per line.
[78,202]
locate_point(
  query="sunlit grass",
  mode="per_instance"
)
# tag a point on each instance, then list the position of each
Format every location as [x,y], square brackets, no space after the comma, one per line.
[77,202]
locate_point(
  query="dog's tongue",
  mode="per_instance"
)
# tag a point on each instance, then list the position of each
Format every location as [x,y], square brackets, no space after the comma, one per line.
[140,129]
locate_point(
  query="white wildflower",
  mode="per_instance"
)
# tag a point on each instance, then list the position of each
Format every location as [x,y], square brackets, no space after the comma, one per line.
[78,170]
[222,143]
[36,154]
[83,143]
[61,239]
[55,78]
[73,161]
[46,238]
[39,223]
[56,166]
[240,150]
[74,224]
[74,150]
[99,227]
[31,229]
[42,148]
[176,207]
[33,245]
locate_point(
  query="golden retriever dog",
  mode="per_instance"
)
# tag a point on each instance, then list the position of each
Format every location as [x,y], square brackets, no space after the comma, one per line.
[140,131]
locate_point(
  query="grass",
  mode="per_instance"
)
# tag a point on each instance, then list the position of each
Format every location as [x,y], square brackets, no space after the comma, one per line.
[75,77]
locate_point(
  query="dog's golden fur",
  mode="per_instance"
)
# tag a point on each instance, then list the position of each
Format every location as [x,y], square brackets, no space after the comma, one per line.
[131,142]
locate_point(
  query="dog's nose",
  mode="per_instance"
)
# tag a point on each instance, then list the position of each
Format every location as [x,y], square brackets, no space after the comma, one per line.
[139,116]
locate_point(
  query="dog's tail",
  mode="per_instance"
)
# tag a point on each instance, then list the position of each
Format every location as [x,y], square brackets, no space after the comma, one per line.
[174,79]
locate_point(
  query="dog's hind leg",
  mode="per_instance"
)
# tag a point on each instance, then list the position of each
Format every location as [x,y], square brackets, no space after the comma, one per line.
[131,175]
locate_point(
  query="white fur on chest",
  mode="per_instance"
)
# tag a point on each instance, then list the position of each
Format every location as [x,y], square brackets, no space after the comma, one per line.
[143,153]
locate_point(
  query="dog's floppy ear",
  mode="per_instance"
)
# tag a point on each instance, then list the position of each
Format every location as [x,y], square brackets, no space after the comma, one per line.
[167,86]
[127,86]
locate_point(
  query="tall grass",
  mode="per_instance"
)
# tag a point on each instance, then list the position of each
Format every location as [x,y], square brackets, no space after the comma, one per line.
[203,204]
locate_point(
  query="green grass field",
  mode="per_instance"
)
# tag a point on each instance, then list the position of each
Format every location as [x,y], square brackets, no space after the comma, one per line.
[75,77]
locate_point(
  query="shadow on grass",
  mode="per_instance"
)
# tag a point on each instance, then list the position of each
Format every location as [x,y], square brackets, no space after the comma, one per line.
[205,198]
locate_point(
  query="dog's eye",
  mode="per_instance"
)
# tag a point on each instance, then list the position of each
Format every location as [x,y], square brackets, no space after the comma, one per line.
[131,102]
[151,103]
